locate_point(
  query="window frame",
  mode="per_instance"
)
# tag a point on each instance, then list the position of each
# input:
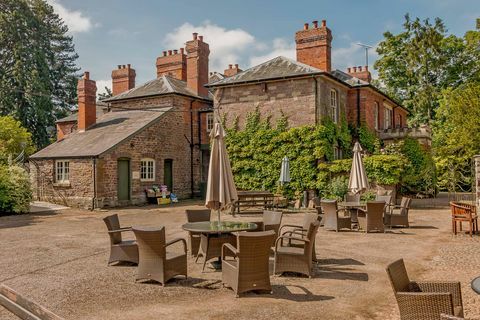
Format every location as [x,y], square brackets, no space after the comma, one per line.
[210,119]
[334,105]
[387,116]
[147,161]
[62,175]
[376,113]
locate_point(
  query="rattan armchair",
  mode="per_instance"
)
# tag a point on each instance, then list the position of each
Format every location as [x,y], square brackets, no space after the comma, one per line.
[332,218]
[120,250]
[388,202]
[296,258]
[293,230]
[399,214]
[372,218]
[156,263]
[196,215]
[271,221]
[249,270]
[423,300]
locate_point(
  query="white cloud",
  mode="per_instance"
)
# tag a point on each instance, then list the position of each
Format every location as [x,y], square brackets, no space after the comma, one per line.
[75,20]
[101,84]
[226,45]
[279,47]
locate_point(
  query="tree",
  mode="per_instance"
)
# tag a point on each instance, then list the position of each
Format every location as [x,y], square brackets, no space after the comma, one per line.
[456,137]
[13,139]
[104,95]
[37,66]
[418,63]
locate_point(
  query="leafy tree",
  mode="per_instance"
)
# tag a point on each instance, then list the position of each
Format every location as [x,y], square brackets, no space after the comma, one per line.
[13,139]
[15,190]
[104,95]
[37,66]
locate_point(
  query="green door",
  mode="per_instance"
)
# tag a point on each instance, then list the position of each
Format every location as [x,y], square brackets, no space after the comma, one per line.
[123,166]
[168,174]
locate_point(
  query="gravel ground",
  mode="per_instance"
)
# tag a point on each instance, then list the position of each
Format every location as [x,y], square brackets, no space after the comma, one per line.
[59,260]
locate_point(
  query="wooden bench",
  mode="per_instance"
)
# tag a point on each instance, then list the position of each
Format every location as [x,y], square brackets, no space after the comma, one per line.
[253,199]
[464,212]
[22,307]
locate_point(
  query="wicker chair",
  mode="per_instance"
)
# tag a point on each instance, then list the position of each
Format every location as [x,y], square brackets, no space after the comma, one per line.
[332,220]
[120,250]
[400,217]
[249,270]
[388,202]
[271,221]
[423,300]
[295,258]
[300,231]
[194,237]
[156,263]
[372,218]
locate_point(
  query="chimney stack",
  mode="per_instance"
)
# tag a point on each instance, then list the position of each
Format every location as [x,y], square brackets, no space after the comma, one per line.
[314,46]
[197,65]
[232,70]
[87,97]
[174,64]
[361,73]
[123,79]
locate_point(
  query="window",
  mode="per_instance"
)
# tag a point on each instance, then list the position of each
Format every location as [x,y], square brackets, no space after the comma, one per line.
[210,122]
[388,118]
[337,153]
[376,113]
[62,171]
[147,170]
[334,105]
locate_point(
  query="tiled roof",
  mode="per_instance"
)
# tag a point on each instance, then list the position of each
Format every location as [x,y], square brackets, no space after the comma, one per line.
[110,129]
[74,116]
[160,86]
[279,67]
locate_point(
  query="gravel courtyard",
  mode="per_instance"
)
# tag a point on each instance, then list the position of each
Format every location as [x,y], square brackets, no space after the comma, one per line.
[59,259]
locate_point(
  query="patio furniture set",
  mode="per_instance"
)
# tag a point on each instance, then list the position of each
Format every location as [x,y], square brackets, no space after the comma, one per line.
[243,248]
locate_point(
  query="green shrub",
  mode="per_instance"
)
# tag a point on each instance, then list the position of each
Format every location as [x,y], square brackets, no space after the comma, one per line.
[15,190]
[338,188]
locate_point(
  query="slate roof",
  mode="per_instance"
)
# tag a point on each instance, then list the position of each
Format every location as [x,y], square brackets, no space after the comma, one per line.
[74,116]
[351,80]
[215,77]
[160,86]
[279,67]
[111,129]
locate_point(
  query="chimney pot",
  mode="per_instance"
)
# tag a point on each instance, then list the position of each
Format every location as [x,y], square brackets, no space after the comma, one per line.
[236,65]
[324,23]
[315,24]
[359,68]
[175,51]
[119,66]
[169,52]
[349,70]
[164,53]
[86,75]
[230,66]
[365,68]
[128,66]
[305,26]
[354,69]
[200,38]
[123,66]
[182,50]
[195,34]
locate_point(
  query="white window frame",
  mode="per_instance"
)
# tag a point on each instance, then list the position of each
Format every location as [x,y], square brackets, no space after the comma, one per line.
[147,169]
[62,171]
[388,117]
[376,113]
[210,119]
[334,105]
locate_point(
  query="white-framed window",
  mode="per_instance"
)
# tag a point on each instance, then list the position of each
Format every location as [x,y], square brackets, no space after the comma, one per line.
[337,153]
[147,169]
[62,171]
[210,122]
[376,113]
[388,118]
[334,105]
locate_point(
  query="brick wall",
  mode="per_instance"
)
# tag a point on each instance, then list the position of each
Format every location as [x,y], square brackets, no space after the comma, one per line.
[295,97]
[65,128]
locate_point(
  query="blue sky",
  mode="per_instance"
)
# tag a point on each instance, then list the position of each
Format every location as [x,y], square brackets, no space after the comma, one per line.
[111,32]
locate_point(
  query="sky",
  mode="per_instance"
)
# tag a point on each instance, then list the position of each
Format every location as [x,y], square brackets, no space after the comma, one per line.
[111,32]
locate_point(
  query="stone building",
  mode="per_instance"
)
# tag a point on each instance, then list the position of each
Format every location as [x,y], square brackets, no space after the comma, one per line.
[152,134]
[307,90]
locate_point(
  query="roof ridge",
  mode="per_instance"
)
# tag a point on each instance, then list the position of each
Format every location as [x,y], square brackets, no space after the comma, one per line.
[167,83]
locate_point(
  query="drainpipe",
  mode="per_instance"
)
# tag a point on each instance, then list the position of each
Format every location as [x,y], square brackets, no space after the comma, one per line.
[316,103]
[94,166]
[358,109]
[191,148]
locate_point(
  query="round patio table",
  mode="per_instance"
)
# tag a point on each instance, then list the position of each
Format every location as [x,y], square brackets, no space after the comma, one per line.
[351,206]
[476,285]
[214,235]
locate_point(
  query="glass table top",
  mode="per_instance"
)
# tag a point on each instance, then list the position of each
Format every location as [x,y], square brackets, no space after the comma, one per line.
[215,227]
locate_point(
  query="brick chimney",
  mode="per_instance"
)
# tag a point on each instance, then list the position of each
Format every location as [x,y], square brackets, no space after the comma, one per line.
[314,46]
[232,70]
[87,97]
[123,79]
[360,73]
[197,64]
[173,64]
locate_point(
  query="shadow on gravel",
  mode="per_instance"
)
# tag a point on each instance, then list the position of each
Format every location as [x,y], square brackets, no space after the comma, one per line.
[22,220]
[338,269]
[288,292]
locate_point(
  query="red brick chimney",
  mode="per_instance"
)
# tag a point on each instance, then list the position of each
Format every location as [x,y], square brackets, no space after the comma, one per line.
[314,46]
[87,97]
[174,64]
[123,79]
[232,70]
[197,64]
[360,73]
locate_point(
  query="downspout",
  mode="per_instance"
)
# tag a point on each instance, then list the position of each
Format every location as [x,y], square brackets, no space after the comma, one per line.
[358,109]
[316,100]
[94,166]
[191,147]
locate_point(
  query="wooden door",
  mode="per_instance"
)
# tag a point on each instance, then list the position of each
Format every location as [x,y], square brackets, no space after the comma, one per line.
[168,174]
[123,175]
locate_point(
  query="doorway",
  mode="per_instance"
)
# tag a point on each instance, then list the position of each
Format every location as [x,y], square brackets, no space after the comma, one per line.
[168,174]
[123,179]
